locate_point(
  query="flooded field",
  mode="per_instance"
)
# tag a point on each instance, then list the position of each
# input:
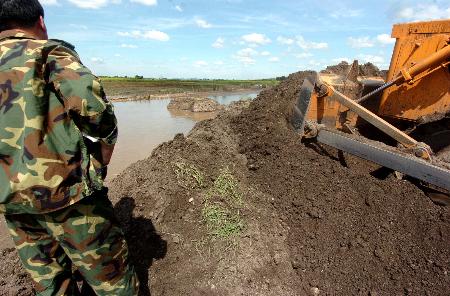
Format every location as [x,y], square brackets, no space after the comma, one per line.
[143,125]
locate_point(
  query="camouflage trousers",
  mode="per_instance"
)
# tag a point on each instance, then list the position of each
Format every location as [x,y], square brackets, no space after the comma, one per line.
[84,237]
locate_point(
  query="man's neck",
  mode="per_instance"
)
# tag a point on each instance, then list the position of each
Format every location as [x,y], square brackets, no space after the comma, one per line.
[31,32]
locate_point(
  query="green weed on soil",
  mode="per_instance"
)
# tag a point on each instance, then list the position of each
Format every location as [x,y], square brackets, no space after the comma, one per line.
[189,176]
[222,222]
[222,206]
[223,201]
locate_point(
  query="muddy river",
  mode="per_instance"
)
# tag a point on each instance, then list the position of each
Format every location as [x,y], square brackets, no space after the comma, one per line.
[143,125]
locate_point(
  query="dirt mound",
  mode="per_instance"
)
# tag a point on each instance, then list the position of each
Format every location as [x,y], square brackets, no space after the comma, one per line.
[241,207]
[14,280]
[340,69]
[349,233]
[312,221]
[194,104]
[367,69]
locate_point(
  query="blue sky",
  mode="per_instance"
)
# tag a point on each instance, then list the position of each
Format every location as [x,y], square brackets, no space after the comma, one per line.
[232,39]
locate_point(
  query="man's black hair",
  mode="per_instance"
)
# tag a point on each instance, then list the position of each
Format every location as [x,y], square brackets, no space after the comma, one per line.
[19,13]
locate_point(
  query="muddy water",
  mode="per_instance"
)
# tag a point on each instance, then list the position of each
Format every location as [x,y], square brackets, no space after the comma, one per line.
[143,125]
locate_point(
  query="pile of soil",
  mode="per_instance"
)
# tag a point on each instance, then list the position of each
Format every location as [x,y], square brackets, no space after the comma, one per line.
[370,70]
[315,221]
[339,69]
[194,104]
[14,281]
[367,69]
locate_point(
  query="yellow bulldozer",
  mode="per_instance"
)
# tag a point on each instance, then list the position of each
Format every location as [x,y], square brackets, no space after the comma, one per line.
[402,123]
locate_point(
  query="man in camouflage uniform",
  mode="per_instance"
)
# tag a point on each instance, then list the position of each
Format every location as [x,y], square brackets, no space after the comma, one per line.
[51,176]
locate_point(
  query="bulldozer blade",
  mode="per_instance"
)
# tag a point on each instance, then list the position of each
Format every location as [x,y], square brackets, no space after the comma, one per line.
[381,154]
[441,199]
[301,107]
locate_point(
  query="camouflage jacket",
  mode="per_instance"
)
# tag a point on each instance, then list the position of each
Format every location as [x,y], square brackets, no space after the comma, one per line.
[48,101]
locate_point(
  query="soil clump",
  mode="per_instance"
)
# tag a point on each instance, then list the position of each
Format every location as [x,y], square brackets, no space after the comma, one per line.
[14,280]
[366,70]
[370,70]
[194,105]
[240,206]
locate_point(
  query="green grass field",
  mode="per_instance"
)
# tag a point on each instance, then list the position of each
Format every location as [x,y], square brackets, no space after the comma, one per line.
[123,85]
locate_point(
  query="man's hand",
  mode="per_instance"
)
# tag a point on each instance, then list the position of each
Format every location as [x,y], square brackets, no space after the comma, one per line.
[101,151]
[106,152]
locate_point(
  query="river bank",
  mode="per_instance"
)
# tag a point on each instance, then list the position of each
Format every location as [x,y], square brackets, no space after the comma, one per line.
[180,95]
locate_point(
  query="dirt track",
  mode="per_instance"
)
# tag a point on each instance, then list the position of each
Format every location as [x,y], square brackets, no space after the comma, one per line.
[314,221]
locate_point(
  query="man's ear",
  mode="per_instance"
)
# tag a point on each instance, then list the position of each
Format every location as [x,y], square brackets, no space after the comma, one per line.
[42,23]
[42,27]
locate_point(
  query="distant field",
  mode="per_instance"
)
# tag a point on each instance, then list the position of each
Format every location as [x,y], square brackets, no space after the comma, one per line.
[124,86]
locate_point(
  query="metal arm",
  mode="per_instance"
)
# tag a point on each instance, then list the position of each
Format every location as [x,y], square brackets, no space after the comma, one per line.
[437,59]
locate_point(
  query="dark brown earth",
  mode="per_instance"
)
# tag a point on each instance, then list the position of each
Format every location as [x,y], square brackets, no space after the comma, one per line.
[316,222]
[194,104]
[340,69]
[14,280]
[367,69]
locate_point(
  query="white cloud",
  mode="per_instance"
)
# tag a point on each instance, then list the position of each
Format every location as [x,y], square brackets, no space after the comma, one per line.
[219,43]
[257,39]
[360,42]
[117,55]
[124,45]
[301,42]
[146,2]
[406,13]
[245,56]
[367,42]
[304,44]
[265,53]
[150,35]
[247,52]
[219,63]
[202,24]
[179,8]
[274,59]
[285,41]
[246,60]
[374,59]
[315,63]
[423,12]
[89,4]
[385,39]
[97,60]
[200,64]
[49,2]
